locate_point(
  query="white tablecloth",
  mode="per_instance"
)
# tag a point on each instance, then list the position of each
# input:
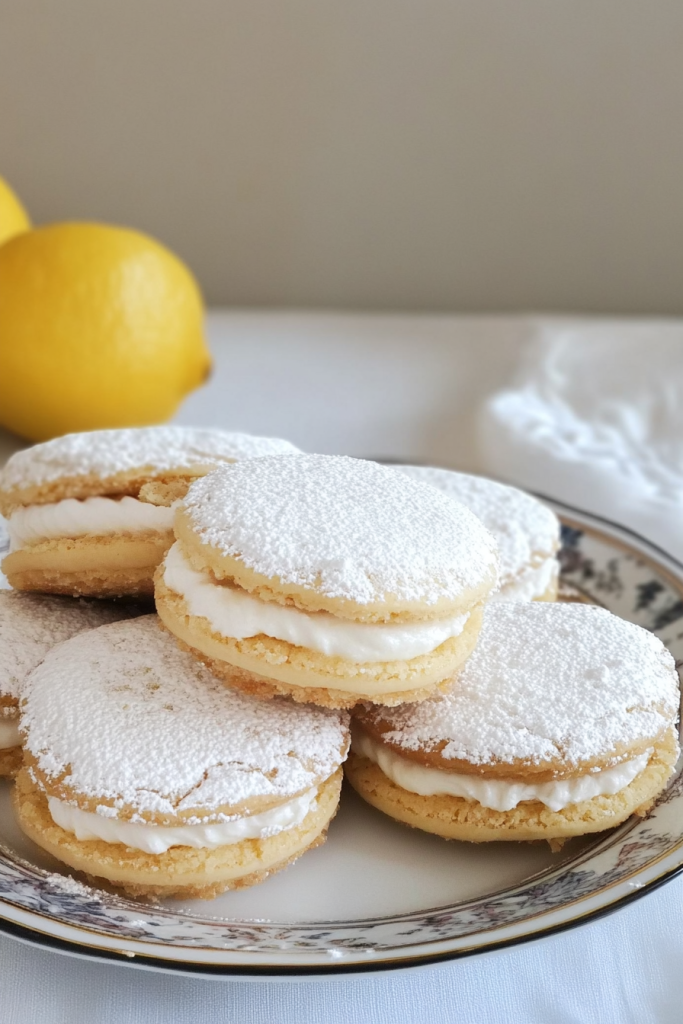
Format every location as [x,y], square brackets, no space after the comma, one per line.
[411,388]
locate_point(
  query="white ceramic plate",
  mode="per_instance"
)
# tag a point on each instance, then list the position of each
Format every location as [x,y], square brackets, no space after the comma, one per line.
[379,895]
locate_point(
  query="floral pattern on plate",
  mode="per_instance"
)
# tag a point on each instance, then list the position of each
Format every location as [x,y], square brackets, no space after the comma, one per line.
[603,566]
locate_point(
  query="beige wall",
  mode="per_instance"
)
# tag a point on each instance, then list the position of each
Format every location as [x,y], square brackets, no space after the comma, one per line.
[406,154]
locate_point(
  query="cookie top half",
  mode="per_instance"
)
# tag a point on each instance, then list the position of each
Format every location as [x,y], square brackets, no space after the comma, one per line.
[526,530]
[344,535]
[112,462]
[551,691]
[121,722]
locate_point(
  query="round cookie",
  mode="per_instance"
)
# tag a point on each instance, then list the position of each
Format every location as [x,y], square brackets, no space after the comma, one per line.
[330,579]
[30,625]
[526,530]
[142,769]
[563,723]
[91,513]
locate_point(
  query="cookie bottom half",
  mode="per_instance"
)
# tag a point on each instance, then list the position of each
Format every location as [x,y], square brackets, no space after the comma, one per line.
[113,566]
[181,872]
[265,667]
[10,762]
[455,817]
[266,689]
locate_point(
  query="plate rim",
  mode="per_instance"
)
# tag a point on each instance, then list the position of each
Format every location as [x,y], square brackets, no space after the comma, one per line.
[282,972]
[34,936]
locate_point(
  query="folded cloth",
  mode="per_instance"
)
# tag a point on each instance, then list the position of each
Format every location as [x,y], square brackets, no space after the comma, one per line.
[594,417]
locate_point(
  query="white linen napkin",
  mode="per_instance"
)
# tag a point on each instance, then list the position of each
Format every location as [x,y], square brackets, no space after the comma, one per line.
[594,417]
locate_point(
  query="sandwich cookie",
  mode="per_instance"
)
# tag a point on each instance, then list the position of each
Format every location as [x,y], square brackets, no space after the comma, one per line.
[31,624]
[91,513]
[330,579]
[142,769]
[563,723]
[527,532]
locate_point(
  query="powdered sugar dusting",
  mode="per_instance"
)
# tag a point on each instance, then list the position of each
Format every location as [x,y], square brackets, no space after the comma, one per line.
[31,624]
[521,524]
[72,887]
[155,449]
[344,527]
[140,722]
[568,683]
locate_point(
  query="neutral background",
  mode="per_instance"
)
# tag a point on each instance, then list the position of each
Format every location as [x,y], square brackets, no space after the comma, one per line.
[383,154]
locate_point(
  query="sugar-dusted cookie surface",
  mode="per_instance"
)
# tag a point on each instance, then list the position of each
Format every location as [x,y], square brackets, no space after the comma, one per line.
[30,625]
[329,579]
[92,513]
[120,461]
[526,530]
[560,706]
[338,534]
[159,777]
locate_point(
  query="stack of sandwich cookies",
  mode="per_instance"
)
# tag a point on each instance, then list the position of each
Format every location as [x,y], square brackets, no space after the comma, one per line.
[142,769]
[563,723]
[30,625]
[527,531]
[329,579]
[90,513]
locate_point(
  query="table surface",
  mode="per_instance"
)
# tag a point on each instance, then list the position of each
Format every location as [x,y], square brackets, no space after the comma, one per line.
[407,388]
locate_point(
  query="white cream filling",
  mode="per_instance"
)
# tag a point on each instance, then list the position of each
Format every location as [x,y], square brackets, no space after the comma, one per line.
[530,584]
[76,518]
[234,613]
[497,794]
[160,838]
[9,732]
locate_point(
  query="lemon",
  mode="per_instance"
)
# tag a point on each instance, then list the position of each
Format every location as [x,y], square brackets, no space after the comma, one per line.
[13,216]
[100,326]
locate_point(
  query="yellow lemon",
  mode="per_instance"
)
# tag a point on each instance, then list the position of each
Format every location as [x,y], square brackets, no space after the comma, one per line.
[13,216]
[99,327]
